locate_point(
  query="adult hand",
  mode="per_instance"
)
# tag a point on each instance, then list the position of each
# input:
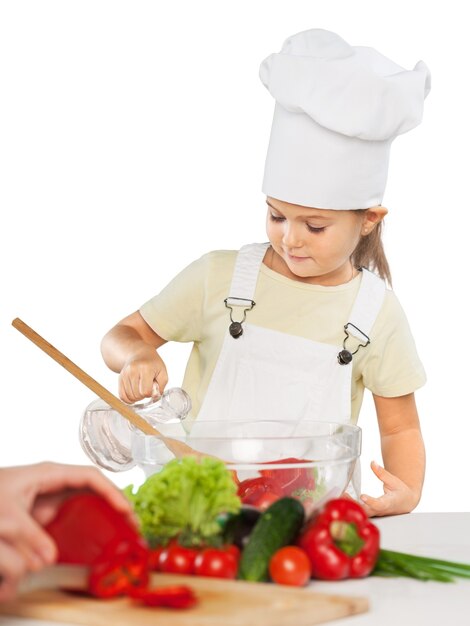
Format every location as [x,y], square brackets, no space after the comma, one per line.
[29,498]
[398,497]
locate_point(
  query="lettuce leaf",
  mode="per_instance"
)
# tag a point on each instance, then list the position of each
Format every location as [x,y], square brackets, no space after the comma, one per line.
[185,499]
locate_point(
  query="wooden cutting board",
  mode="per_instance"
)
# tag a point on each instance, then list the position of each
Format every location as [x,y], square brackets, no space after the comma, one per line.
[221,603]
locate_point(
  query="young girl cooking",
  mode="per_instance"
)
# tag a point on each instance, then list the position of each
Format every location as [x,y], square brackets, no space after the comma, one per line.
[300,326]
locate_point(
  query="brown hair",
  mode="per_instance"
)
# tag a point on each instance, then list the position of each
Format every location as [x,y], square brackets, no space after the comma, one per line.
[369,252]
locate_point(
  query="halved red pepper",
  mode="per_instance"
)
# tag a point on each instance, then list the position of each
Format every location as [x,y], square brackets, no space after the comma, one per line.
[341,542]
[89,531]
[85,525]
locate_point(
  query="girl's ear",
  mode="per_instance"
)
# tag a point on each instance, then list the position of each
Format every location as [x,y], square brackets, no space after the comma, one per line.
[372,217]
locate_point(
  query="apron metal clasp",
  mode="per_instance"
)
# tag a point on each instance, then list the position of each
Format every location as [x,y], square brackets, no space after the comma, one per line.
[345,356]
[235,328]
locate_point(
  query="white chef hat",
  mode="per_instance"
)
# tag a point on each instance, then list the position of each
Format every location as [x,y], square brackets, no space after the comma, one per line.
[338,109]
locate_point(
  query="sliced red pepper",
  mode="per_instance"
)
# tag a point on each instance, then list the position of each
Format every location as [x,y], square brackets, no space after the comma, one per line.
[121,569]
[253,490]
[174,596]
[341,542]
[291,478]
[276,483]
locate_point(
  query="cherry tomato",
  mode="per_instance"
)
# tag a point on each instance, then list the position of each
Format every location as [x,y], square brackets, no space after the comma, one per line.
[290,566]
[176,559]
[216,563]
[233,550]
[154,557]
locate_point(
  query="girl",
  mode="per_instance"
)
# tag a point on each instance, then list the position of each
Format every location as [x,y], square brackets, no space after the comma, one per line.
[300,326]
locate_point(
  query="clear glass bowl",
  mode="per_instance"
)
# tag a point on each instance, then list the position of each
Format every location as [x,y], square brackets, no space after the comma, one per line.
[313,461]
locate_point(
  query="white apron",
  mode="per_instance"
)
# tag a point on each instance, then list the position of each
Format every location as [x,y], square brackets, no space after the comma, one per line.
[270,375]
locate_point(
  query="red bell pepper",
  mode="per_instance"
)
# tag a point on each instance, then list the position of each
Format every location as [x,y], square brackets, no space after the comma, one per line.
[85,525]
[89,531]
[341,542]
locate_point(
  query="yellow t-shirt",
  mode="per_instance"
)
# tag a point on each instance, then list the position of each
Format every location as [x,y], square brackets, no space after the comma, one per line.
[191,308]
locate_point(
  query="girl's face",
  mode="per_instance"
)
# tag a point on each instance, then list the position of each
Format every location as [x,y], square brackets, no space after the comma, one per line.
[315,245]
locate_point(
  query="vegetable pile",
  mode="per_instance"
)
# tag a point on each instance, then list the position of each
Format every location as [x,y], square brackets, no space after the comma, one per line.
[192,522]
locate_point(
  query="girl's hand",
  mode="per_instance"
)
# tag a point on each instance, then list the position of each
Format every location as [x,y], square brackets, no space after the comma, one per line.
[140,375]
[398,497]
[29,499]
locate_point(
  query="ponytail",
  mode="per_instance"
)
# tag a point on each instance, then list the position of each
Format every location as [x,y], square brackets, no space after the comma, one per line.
[369,253]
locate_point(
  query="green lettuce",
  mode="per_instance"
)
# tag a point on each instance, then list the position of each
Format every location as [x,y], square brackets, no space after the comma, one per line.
[186,499]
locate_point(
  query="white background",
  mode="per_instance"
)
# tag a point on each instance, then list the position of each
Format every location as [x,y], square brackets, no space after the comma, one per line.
[133,138]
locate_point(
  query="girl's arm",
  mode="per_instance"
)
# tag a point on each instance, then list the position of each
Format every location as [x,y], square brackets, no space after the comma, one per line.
[130,348]
[403,456]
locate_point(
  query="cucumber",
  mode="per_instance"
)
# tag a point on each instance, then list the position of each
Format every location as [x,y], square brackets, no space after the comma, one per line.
[277,527]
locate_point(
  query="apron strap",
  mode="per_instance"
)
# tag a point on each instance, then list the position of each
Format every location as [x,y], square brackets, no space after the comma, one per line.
[245,274]
[367,305]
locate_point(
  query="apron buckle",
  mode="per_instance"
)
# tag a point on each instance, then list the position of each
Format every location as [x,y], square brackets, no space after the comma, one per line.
[236,329]
[345,356]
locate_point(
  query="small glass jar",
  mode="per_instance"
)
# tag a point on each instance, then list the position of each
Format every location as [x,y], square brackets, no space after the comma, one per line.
[115,444]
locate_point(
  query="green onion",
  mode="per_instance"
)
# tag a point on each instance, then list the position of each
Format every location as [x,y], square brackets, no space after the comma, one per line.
[392,563]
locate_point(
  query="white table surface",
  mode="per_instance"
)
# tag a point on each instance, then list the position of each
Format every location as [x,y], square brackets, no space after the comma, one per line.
[398,601]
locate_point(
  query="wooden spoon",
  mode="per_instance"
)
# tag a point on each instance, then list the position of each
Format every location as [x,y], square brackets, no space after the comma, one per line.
[178,448]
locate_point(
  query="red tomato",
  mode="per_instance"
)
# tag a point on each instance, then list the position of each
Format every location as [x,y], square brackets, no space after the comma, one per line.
[290,566]
[176,559]
[216,563]
[233,550]
[154,558]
